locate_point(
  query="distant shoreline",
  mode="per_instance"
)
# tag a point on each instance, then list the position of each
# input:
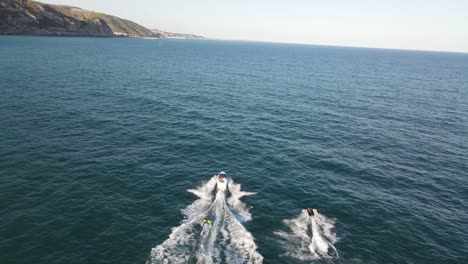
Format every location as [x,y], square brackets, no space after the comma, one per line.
[101,37]
[108,37]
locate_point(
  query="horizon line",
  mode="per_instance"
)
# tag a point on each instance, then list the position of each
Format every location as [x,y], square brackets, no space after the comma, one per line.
[327,45]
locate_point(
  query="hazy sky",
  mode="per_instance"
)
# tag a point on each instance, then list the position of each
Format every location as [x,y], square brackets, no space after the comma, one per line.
[405,24]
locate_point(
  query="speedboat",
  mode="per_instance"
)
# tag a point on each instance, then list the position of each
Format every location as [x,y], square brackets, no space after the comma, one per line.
[221,181]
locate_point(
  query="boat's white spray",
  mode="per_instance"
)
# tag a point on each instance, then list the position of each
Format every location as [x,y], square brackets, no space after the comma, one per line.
[310,237]
[224,241]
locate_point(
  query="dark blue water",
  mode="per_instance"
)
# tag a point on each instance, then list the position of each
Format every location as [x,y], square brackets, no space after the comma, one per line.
[101,138]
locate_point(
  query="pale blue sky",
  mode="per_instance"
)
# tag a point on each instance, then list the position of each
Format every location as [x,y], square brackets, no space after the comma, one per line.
[411,24]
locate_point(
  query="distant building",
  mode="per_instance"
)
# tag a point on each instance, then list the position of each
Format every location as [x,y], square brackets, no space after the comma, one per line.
[120,34]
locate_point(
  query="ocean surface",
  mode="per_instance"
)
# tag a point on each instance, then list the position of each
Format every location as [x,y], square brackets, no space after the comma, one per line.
[100,139]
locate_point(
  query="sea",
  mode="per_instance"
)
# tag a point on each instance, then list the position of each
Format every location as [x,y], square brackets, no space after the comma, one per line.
[110,147]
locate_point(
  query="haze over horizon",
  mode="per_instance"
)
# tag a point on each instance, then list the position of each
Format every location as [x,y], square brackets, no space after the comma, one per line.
[419,25]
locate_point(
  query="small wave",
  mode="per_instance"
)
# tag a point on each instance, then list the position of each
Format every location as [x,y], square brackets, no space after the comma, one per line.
[224,241]
[309,238]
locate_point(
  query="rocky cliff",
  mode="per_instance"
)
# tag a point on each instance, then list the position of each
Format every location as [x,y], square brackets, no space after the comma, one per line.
[35,18]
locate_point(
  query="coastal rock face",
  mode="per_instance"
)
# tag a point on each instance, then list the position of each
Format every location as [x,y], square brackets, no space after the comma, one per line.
[34,18]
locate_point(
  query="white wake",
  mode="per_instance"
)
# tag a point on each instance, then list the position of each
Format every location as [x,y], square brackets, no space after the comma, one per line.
[224,241]
[309,237]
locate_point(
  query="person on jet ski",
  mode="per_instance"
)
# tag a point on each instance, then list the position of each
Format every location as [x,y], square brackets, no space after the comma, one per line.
[310,211]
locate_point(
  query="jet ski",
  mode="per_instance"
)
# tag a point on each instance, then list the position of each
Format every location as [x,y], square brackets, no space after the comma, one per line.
[310,211]
[221,181]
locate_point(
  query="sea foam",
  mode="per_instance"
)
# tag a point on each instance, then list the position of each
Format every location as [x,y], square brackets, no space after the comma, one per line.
[224,241]
[309,238]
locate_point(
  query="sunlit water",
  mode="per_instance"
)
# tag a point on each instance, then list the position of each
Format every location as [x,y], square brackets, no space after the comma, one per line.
[100,139]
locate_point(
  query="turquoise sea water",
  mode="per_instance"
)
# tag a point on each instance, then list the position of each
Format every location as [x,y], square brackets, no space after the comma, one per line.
[100,139]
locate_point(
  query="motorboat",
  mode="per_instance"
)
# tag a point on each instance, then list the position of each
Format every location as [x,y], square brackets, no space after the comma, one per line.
[221,181]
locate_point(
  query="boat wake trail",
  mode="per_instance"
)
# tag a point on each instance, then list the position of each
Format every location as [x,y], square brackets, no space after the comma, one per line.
[310,237]
[225,240]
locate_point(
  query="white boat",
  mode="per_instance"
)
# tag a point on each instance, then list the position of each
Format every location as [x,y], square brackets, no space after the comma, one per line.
[221,181]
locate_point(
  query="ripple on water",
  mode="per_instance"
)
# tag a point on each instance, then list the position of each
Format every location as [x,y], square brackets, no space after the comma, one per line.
[97,151]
